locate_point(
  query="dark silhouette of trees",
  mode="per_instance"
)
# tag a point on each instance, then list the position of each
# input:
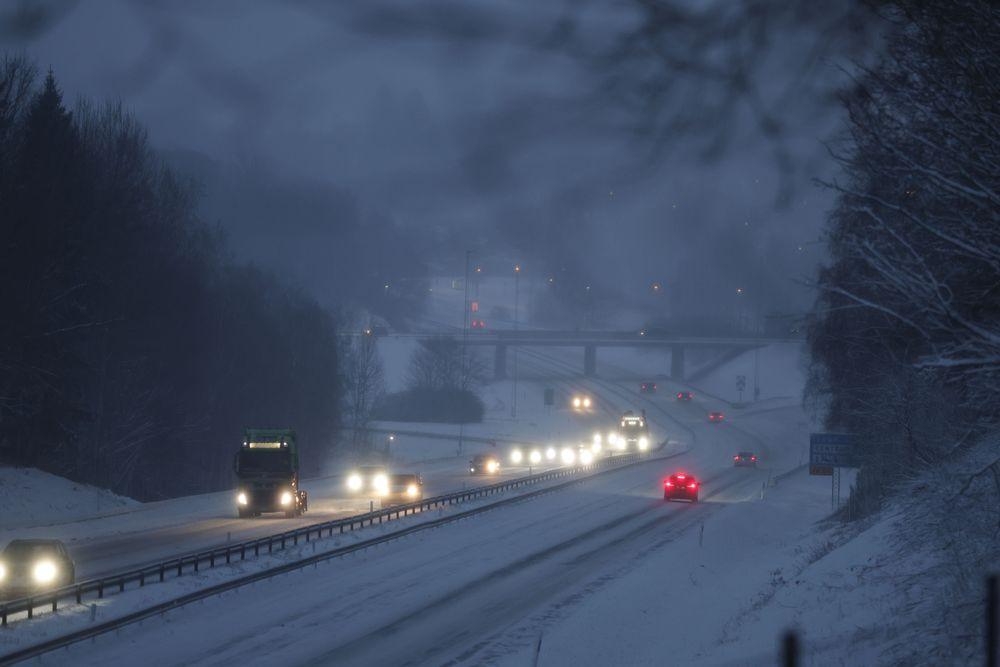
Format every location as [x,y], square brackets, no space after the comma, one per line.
[134,351]
[906,337]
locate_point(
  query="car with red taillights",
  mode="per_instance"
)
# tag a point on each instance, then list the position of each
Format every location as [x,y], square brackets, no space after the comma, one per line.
[648,387]
[681,486]
[716,417]
[684,396]
[745,459]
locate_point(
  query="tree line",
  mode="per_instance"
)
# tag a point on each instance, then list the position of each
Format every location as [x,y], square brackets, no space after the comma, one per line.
[134,348]
[905,338]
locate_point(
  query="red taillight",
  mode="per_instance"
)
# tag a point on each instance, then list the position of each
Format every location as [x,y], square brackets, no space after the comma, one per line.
[692,485]
[753,458]
[668,483]
[736,458]
[680,395]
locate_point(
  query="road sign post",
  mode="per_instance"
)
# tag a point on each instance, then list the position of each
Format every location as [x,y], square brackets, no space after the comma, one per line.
[828,453]
[741,384]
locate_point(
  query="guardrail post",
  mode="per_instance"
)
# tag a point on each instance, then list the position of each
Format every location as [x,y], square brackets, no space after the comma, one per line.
[790,649]
[211,559]
[161,572]
[100,589]
[31,608]
[55,600]
[79,594]
[180,566]
[3,616]
[196,559]
[229,557]
[992,595]
[142,579]
[282,541]
[295,539]
[341,529]
[270,546]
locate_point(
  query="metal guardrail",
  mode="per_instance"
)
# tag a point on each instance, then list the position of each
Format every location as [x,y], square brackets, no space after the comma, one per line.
[194,562]
[216,589]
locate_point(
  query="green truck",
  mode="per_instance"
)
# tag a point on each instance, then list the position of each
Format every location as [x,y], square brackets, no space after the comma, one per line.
[267,470]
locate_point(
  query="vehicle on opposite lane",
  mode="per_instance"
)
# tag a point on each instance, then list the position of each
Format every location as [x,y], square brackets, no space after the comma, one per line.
[745,460]
[484,464]
[368,480]
[403,488]
[681,486]
[32,566]
[716,417]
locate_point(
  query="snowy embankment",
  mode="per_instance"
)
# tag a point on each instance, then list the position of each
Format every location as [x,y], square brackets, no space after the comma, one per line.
[30,497]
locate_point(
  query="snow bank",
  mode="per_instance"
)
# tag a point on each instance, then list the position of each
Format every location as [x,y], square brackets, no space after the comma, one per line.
[30,497]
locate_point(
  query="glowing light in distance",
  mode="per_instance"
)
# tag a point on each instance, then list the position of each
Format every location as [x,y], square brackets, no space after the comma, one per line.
[241,498]
[586,457]
[286,498]
[550,453]
[354,482]
[380,483]
[516,456]
[535,456]
[568,456]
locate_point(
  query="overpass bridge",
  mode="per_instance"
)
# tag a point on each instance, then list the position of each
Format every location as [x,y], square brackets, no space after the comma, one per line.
[590,341]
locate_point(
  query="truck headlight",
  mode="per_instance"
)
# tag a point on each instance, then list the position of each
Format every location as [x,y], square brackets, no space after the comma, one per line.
[241,498]
[492,466]
[586,402]
[44,572]
[643,443]
[516,456]
[568,455]
[3,571]
[586,458]
[577,402]
[286,498]
[550,453]
[536,456]
[381,484]
[412,490]
[354,482]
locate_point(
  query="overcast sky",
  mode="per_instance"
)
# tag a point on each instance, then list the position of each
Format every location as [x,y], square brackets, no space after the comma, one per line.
[464,116]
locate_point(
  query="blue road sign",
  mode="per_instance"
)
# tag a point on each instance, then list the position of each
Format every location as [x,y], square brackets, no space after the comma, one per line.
[833,450]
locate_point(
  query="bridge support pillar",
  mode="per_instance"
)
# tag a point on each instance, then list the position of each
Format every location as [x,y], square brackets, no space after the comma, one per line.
[677,363]
[590,360]
[500,362]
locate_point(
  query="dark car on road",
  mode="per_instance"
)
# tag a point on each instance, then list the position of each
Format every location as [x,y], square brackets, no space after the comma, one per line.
[745,460]
[648,387]
[403,488]
[681,486]
[716,417]
[684,396]
[31,566]
[484,464]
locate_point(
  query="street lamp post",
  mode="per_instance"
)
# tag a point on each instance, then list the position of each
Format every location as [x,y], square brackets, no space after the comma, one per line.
[513,399]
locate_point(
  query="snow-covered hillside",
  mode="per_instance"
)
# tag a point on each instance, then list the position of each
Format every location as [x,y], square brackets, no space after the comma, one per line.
[30,497]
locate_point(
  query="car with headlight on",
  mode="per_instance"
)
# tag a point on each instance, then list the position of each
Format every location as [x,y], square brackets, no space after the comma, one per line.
[716,417]
[581,403]
[484,464]
[681,486]
[368,481]
[684,396]
[403,488]
[634,432]
[745,460]
[31,566]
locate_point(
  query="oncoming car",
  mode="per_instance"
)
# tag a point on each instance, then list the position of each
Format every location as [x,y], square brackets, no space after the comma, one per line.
[29,566]
[368,481]
[403,488]
[582,403]
[681,486]
[745,459]
[484,464]
[716,417]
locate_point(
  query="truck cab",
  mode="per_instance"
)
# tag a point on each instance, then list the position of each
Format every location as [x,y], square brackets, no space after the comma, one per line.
[267,470]
[634,432]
